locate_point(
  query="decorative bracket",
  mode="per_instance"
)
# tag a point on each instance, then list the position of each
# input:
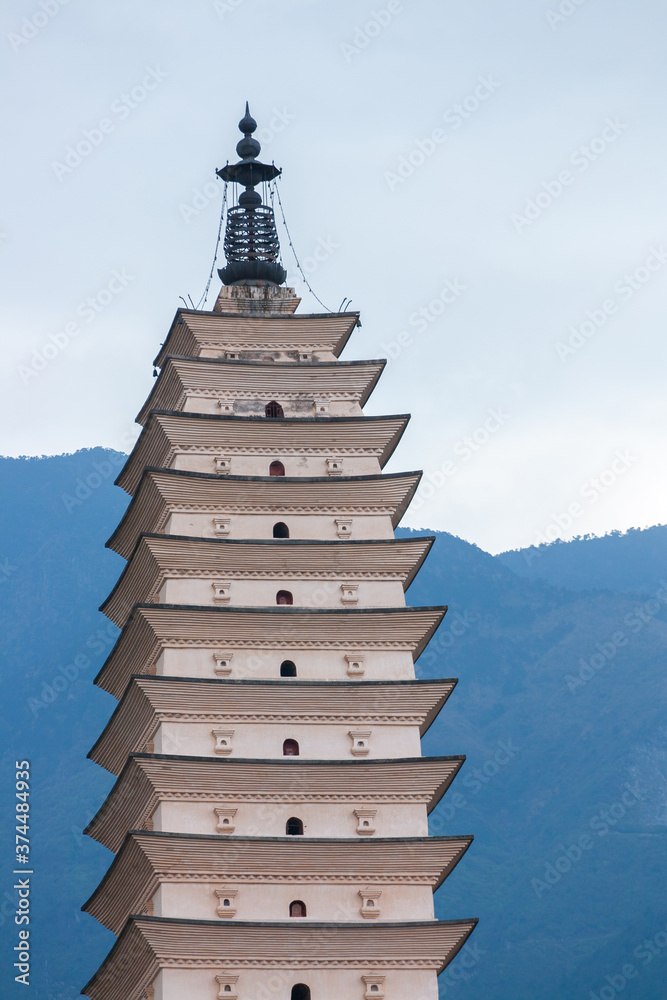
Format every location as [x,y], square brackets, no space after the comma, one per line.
[370,903]
[226,902]
[222,593]
[349,593]
[355,664]
[227,986]
[360,742]
[223,741]
[365,821]
[222,663]
[225,822]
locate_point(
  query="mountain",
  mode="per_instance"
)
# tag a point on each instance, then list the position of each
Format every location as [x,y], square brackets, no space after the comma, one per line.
[558,709]
[628,562]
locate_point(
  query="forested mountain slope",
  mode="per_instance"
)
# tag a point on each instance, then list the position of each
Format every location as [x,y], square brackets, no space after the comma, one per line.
[559,709]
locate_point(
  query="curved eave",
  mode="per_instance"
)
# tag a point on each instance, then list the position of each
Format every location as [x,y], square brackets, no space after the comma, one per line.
[150,627]
[147,700]
[148,858]
[145,781]
[341,492]
[157,442]
[277,327]
[157,558]
[147,944]
[247,368]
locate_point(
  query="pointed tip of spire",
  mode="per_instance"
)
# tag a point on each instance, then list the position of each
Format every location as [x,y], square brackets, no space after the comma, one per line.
[247,125]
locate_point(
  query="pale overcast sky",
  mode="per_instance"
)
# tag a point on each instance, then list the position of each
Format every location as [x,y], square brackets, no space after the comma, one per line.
[485,180]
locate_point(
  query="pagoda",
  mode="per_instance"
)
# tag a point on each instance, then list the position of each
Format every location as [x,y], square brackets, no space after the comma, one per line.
[269,817]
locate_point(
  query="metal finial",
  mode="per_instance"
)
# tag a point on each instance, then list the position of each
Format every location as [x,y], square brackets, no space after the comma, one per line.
[251,241]
[247,125]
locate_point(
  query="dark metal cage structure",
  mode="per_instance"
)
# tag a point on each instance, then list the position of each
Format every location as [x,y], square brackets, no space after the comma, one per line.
[252,248]
[251,235]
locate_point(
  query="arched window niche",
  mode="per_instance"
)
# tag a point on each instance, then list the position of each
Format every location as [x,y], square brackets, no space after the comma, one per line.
[294,827]
[290,748]
[273,410]
[300,992]
[288,668]
[280,530]
[284,597]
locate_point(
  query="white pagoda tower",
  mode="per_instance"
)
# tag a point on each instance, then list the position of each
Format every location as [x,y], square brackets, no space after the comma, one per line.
[269,818]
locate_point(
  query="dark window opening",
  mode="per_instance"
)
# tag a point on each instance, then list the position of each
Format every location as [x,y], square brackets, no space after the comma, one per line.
[280,530]
[290,748]
[276,469]
[288,669]
[297,908]
[300,992]
[274,410]
[294,827]
[284,597]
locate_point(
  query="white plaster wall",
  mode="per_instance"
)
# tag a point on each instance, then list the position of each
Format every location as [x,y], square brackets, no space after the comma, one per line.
[277,355]
[277,983]
[336,902]
[318,526]
[295,465]
[306,593]
[265,740]
[256,407]
[268,819]
[264,664]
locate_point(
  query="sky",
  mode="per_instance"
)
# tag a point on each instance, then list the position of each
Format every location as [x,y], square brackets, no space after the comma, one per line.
[485,181]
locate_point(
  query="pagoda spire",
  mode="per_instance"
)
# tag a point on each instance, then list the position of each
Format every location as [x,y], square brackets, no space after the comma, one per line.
[252,248]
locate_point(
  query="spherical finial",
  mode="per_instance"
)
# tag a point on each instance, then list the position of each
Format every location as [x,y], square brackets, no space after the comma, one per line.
[250,199]
[247,125]
[248,148]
